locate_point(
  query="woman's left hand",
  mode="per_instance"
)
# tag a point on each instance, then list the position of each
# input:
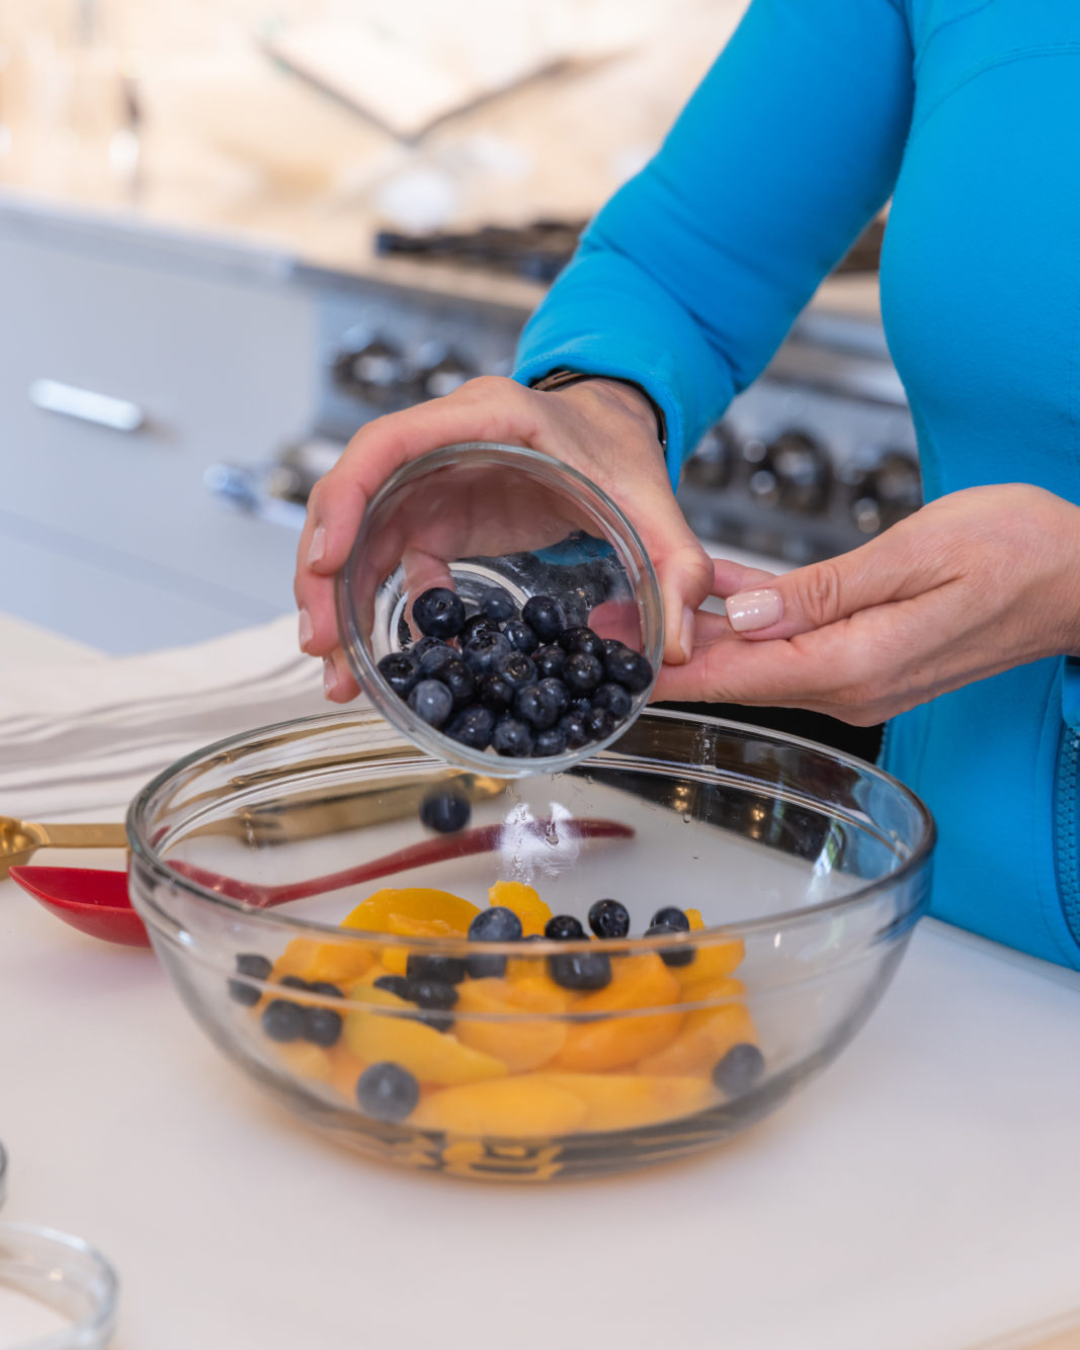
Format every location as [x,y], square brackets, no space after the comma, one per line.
[970,585]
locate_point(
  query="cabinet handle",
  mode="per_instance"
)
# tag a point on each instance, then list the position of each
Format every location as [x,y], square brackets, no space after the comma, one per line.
[84,404]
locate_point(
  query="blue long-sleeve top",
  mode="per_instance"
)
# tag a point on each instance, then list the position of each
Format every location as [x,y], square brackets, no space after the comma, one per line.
[967,113]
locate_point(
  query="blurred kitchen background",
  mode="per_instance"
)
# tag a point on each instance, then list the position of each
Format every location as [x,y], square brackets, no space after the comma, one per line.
[233,230]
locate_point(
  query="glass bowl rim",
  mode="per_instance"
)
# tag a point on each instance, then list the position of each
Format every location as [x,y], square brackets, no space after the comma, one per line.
[366,672]
[99,1319]
[147,854]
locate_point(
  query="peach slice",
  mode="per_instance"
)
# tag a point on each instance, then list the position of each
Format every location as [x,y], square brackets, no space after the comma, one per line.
[521,1043]
[624,1101]
[706,1038]
[637,982]
[512,1108]
[413,902]
[430,1056]
[524,902]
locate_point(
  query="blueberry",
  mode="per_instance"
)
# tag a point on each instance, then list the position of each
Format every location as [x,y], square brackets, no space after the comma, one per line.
[460,680]
[673,917]
[495,692]
[520,636]
[322,1026]
[444,969]
[517,670]
[671,956]
[550,662]
[564,928]
[393,984]
[325,988]
[572,727]
[438,613]
[609,919]
[544,615]
[600,724]
[445,811]
[283,1021]
[550,742]
[581,639]
[294,982]
[483,652]
[536,707]
[473,728]
[436,994]
[435,659]
[580,707]
[432,702]
[582,673]
[498,604]
[558,691]
[512,738]
[613,645]
[387,1092]
[496,924]
[581,970]
[400,672]
[615,699]
[479,623]
[423,645]
[630,669]
[739,1070]
[255,967]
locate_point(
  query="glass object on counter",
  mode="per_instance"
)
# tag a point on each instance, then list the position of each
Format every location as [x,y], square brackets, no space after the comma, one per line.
[461,1022]
[481,516]
[56,1291]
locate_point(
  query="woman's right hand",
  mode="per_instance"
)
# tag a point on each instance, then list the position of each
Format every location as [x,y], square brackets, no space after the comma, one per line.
[604,429]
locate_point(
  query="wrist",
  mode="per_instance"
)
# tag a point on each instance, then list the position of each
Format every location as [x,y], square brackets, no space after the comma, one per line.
[625,394]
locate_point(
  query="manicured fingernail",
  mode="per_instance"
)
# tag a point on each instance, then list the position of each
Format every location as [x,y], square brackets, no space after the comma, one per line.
[318,545]
[750,610]
[329,676]
[686,639]
[305,629]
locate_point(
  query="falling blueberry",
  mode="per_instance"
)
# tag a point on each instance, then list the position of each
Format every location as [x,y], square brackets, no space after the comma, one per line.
[498,604]
[387,1092]
[512,738]
[445,810]
[739,1070]
[432,702]
[439,613]
[400,671]
[609,919]
[544,615]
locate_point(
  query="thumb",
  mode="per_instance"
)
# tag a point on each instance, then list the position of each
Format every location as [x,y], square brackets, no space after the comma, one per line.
[683,569]
[882,571]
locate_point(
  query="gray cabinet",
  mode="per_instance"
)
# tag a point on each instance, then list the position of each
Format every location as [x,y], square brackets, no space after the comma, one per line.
[109,534]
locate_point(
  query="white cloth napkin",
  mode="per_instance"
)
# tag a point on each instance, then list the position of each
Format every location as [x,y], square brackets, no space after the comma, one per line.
[78,738]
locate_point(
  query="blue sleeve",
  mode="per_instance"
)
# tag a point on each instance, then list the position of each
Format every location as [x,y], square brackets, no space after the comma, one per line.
[691,275]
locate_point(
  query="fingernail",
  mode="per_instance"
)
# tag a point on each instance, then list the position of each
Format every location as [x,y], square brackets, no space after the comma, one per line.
[686,639]
[305,629]
[318,545]
[329,676]
[750,610]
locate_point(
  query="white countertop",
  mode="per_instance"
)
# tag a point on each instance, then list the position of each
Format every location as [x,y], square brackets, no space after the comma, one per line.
[924,1194]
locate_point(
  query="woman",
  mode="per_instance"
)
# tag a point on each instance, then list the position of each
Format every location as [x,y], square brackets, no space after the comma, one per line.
[962,623]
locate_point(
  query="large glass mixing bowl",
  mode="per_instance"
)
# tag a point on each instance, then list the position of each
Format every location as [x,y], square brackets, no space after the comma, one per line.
[802,872]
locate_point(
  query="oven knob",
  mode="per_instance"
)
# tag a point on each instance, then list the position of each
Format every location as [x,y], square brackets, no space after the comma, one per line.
[803,471]
[711,464]
[445,375]
[897,485]
[377,371]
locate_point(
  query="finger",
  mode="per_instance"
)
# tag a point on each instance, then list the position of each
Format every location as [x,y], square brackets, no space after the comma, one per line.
[338,683]
[900,564]
[731,577]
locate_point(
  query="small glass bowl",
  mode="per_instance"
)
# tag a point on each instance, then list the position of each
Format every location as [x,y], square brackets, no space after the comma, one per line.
[480,515]
[65,1276]
[803,869]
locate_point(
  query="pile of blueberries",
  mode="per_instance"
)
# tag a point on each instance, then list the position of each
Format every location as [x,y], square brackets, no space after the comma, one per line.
[283,1020]
[524,684]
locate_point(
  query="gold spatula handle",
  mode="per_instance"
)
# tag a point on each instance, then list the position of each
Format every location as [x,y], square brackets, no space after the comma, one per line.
[81,836]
